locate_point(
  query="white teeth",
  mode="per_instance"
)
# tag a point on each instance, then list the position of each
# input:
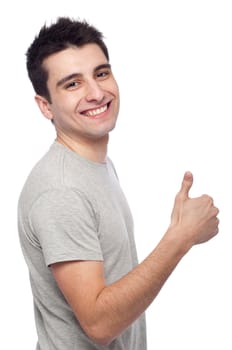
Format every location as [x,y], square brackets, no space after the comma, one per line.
[94,112]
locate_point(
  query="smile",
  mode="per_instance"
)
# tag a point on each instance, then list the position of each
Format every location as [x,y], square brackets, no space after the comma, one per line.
[95,112]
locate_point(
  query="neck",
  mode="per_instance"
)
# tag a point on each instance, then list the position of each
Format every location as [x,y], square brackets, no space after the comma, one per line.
[95,150]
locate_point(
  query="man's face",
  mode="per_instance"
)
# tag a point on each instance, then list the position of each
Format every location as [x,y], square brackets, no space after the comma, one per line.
[84,94]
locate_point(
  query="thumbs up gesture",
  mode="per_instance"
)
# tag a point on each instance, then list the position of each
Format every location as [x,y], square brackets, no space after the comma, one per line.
[194,218]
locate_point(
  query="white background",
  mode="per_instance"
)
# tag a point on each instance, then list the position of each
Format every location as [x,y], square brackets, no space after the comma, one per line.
[172,60]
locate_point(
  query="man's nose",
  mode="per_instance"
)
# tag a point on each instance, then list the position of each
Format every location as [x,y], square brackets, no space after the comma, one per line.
[94,92]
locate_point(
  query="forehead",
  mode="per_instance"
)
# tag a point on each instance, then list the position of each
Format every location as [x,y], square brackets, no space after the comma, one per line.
[81,60]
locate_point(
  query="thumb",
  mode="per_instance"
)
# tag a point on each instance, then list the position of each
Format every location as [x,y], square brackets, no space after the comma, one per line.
[186,185]
[181,196]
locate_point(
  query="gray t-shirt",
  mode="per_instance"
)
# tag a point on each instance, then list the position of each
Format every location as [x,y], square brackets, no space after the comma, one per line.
[74,209]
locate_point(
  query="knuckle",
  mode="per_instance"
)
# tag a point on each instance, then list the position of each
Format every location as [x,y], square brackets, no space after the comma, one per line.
[215,211]
[207,198]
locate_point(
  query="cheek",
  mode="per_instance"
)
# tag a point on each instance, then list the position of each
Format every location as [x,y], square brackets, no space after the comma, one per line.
[63,105]
[115,88]
[111,87]
[117,95]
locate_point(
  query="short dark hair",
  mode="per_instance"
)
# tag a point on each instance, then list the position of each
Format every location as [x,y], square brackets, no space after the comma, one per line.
[64,33]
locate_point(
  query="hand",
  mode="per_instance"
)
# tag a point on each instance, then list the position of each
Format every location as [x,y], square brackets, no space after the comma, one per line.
[195,217]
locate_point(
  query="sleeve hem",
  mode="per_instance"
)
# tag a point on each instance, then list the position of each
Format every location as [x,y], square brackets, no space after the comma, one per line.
[59,259]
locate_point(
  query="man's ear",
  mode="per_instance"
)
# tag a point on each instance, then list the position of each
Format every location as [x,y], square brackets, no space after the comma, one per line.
[44,106]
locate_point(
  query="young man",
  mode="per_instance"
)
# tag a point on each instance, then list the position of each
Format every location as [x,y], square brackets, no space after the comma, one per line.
[75,226]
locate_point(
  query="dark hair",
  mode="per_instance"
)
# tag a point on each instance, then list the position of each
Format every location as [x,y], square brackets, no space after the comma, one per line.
[57,37]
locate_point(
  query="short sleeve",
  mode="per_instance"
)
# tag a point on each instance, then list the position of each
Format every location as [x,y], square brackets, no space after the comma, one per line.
[65,224]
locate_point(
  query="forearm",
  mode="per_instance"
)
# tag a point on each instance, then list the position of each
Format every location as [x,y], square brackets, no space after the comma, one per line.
[193,221]
[121,303]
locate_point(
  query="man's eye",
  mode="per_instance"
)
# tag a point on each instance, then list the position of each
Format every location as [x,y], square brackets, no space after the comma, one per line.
[103,74]
[72,85]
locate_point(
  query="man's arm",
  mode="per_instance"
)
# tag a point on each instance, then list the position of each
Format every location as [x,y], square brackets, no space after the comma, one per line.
[104,311]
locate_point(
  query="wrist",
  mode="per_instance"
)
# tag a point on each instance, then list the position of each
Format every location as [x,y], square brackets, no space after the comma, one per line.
[178,240]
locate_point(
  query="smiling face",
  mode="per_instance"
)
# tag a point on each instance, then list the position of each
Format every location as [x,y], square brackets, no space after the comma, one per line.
[84,94]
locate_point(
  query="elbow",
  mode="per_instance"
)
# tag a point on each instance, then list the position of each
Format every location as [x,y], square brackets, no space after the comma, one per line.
[101,336]
[102,341]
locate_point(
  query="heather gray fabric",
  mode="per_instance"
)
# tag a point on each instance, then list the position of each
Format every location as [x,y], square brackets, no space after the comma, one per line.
[74,209]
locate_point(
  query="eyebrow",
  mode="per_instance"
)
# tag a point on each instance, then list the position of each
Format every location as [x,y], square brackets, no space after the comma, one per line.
[78,75]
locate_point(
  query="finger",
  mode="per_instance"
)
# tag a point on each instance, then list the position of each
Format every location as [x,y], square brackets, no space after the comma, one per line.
[207,198]
[186,185]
